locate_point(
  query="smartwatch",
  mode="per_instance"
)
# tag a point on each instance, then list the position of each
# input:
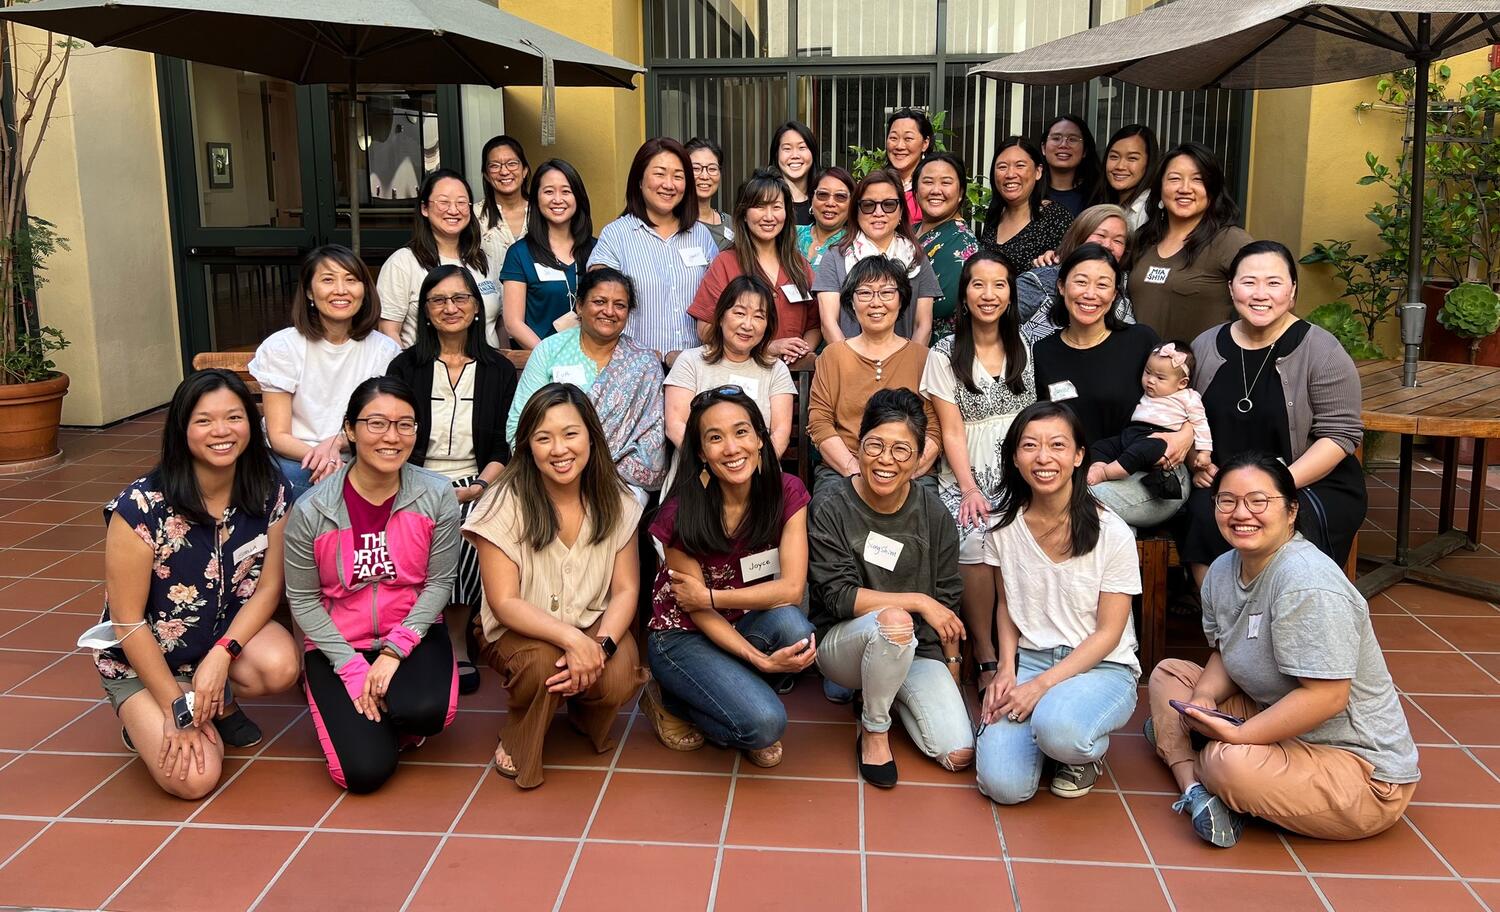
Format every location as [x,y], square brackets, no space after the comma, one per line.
[988,666]
[609,646]
[232,647]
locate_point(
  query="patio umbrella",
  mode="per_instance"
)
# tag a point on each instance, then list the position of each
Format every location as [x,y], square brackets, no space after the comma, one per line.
[342,41]
[1270,44]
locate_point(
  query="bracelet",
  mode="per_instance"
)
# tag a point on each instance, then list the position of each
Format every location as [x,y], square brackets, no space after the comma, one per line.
[967,491]
[954,660]
[711,604]
[483,485]
[982,667]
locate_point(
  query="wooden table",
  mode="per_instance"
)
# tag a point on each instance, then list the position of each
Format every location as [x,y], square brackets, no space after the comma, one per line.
[1451,402]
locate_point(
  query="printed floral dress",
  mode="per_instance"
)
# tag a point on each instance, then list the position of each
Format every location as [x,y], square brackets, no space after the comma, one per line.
[190,604]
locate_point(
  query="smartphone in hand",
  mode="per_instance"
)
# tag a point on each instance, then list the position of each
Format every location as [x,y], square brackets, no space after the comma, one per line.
[1184,707]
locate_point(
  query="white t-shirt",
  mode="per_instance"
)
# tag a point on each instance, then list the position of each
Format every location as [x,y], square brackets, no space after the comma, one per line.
[401,280]
[1056,604]
[760,383]
[319,375]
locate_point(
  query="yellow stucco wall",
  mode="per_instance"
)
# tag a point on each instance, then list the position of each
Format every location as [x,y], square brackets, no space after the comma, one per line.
[99,179]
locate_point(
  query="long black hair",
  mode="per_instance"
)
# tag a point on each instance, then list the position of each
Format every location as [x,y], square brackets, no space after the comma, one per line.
[1153,158]
[802,130]
[1082,254]
[1222,211]
[993,214]
[765,187]
[491,209]
[700,507]
[424,243]
[581,226]
[476,343]
[962,357]
[1089,176]
[366,392]
[255,472]
[1015,492]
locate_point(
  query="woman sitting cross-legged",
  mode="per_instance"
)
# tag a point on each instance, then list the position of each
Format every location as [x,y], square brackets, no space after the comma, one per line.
[725,613]
[1065,569]
[884,562]
[370,557]
[557,553]
[215,500]
[1316,740]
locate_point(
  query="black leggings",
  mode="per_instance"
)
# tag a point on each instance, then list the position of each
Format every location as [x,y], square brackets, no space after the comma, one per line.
[422,699]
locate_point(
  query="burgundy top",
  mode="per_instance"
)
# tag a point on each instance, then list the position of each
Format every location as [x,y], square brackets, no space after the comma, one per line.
[367,523]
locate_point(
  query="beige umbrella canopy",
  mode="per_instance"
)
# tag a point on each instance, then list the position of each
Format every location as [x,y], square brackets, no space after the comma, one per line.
[342,41]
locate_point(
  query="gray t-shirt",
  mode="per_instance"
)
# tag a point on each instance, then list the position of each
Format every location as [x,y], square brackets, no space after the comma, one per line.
[834,268]
[1301,618]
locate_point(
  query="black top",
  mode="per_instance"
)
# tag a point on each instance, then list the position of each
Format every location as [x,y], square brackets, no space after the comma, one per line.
[1040,235]
[1072,199]
[1264,427]
[494,386]
[802,212]
[1106,379]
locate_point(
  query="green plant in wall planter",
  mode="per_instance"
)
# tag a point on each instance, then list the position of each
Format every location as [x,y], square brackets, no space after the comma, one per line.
[976,194]
[1472,311]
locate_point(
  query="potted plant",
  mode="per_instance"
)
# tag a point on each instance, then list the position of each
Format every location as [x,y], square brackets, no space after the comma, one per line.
[1471,311]
[31,388]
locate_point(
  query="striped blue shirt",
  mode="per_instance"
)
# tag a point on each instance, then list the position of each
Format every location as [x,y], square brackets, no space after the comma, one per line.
[666,274]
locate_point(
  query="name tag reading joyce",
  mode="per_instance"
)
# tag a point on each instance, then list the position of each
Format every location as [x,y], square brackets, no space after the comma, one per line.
[548,274]
[569,373]
[765,565]
[693,256]
[882,552]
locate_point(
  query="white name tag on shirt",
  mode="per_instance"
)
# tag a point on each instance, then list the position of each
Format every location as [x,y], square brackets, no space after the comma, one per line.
[728,233]
[548,274]
[1252,632]
[693,256]
[1062,389]
[760,566]
[566,321]
[569,373]
[882,552]
[251,548]
[793,294]
[751,385]
[1157,275]
[487,287]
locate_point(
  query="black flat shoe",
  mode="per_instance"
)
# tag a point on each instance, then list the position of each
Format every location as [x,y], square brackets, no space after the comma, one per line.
[238,730]
[882,775]
[468,677]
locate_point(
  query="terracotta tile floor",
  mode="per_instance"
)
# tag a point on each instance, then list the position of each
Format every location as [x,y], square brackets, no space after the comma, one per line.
[641,827]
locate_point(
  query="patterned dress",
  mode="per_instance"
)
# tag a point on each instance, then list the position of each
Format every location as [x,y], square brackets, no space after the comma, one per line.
[948,247]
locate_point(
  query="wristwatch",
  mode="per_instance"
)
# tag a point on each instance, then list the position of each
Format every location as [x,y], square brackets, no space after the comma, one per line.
[608,645]
[988,666]
[232,647]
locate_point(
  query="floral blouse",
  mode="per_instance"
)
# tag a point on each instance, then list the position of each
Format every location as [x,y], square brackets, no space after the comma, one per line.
[190,605]
[947,246]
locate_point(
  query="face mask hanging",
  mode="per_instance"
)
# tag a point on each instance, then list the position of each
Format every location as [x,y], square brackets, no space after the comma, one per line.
[102,635]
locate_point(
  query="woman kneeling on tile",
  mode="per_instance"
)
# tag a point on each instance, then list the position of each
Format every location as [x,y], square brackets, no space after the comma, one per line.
[557,556]
[370,558]
[1302,721]
[193,554]
[1065,569]
[726,622]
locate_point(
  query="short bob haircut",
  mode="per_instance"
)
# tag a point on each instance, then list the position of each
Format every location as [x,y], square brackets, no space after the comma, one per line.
[871,269]
[1281,478]
[1086,223]
[1256,248]
[895,405]
[686,210]
[255,474]
[1086,253]
[305,316]
[476,344]
[366,392]
[738,287]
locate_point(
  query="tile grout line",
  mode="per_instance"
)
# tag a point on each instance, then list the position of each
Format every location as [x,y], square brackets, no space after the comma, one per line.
[306,837]
[562,890]
[1010,871]
[1441,857]
[713,885]
[1145,847]
[1297,860]
[864,859]
[443,840]
[58,817]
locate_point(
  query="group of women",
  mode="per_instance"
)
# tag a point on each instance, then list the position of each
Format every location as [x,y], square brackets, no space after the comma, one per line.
[423,507]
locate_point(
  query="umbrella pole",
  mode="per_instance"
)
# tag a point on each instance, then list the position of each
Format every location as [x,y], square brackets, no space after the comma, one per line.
[354,193]
[1414,312]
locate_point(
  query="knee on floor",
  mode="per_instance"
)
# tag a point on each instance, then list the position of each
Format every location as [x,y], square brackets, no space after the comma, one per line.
[956,760]
[1006,789]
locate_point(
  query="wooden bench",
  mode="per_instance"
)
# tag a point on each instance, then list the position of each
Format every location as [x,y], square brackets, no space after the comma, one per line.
[239,363]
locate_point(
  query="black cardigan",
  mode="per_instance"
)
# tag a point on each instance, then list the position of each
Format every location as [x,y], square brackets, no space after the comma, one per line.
[494,386]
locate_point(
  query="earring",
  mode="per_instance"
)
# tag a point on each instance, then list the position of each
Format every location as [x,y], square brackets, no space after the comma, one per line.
[703,475]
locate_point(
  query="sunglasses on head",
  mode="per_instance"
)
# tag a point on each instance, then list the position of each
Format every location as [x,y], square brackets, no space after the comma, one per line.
[718,392]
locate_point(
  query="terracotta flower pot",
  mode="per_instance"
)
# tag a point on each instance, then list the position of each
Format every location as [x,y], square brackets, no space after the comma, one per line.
[29,416]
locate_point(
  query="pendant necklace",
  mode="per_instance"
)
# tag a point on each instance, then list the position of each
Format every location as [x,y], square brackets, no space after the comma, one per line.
[1244,405]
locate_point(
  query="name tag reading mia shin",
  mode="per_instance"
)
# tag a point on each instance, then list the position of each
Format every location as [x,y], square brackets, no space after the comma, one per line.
[882,552]
[765,565]
[1157,275]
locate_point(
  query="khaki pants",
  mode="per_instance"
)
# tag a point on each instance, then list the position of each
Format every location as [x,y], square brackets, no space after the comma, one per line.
[1318,791]
[525,665]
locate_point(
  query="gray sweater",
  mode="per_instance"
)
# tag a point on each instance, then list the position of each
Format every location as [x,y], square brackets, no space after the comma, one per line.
[1320,382]
[928,563]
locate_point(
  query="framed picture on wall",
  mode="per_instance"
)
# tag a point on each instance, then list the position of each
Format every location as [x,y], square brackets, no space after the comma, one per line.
[220,166]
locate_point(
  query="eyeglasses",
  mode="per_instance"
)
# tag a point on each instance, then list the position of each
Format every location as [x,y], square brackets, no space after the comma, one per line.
[1255,502]
[497,167]
[718,392]
[887,206]
[1064,139]
[874,448]
[450,205]
[406,427]
[824,196]
[709,170]
[869,295]
[461,299]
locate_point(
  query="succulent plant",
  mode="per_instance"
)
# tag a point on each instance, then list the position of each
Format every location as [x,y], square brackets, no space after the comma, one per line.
[1471,310]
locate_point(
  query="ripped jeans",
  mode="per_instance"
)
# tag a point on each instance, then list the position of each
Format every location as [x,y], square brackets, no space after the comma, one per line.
[858,654]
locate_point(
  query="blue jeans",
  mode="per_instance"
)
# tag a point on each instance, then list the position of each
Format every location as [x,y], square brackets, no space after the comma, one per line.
[297,478]
[728,700]
[1141,509]
[1070,723]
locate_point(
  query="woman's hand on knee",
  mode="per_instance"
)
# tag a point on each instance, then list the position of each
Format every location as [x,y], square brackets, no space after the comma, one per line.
[184,750]
[789,659]
[1022,700]
[996,694]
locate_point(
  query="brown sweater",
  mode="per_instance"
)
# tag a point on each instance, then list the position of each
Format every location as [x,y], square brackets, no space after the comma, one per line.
[845,381]
[1178,300]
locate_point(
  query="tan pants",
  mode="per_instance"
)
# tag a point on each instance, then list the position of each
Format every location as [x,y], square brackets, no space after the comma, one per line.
[1318,791]
[525,665]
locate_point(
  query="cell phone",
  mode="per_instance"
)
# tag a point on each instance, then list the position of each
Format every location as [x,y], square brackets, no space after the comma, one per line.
[182,711]
[1184,707]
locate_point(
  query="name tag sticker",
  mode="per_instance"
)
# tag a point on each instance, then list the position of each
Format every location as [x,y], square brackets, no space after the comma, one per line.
[566,321]
[255,546]
[793,295]
[693,256]
[882,552]
[1062,389]
[728,233]
[569,373]
[761,566]
[548,274]
[1252,632]
[751,385]
[1157,275]
[487,287]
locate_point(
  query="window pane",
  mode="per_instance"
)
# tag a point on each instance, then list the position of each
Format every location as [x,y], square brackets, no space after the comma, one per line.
[1212,117]
[398,147]
[722,30]
[245,131]
[844,111]
[1007,26]
[247,302]
[856,28]
[738,112]
[983,111]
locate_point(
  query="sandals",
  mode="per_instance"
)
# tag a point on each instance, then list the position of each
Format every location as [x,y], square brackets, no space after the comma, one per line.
[674,733]
[765,757]
[508,769]
[468,677]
